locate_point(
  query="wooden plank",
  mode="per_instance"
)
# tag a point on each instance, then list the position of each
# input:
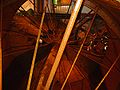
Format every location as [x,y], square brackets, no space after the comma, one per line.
[63,43]
[0,60]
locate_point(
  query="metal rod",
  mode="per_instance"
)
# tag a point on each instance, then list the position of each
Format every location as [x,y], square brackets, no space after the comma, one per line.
[78,52]
[107,73]
[63,43]
[35,52]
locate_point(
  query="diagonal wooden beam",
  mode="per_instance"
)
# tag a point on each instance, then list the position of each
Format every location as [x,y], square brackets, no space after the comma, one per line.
[63,43]
[1,48]
[1,60]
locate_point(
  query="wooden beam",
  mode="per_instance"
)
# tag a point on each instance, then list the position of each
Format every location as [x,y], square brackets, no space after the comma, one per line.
[64,42]
[0,60]
[1,47]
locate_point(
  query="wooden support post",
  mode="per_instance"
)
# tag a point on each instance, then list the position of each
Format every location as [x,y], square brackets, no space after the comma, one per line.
[63,43]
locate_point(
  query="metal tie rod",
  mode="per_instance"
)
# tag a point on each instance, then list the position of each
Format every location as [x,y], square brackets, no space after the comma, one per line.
[79,51]
[107,73]
[35,52]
